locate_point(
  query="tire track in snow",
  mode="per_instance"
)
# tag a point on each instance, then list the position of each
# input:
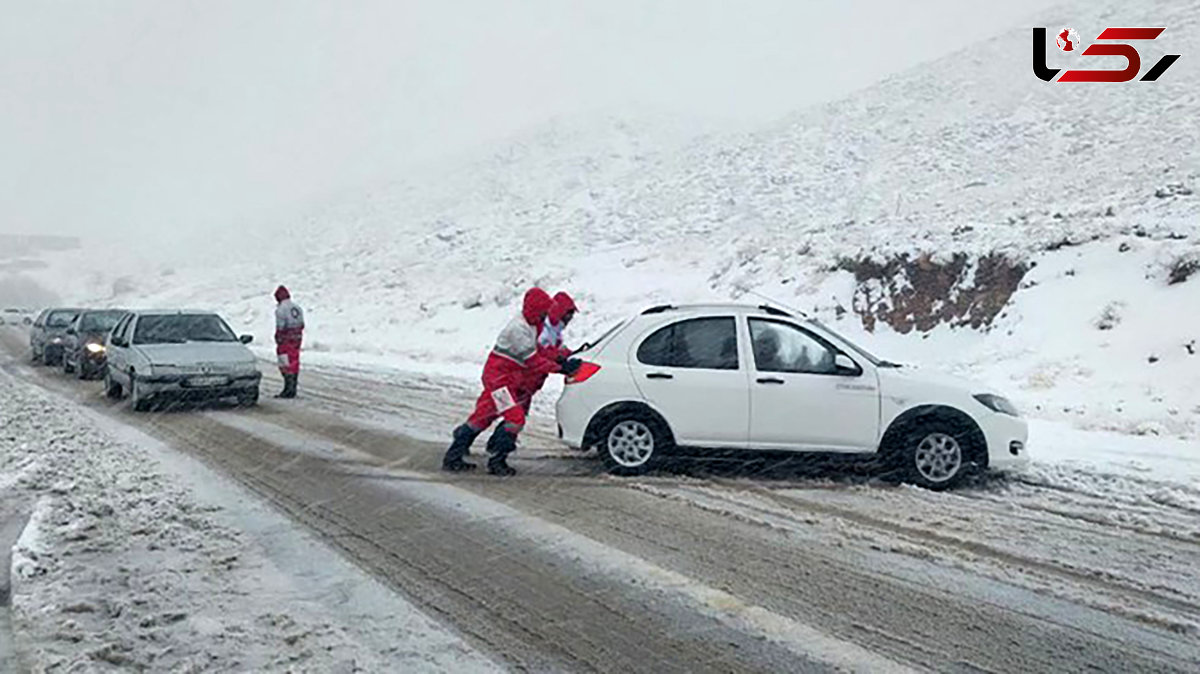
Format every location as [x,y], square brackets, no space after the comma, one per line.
[1112,585]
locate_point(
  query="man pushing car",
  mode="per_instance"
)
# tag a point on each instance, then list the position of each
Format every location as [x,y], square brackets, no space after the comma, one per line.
[513,366]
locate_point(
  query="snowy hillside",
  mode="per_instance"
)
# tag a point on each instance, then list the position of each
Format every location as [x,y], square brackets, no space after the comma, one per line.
[968,215]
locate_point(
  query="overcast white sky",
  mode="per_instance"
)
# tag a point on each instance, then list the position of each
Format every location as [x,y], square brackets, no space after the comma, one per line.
[133,115]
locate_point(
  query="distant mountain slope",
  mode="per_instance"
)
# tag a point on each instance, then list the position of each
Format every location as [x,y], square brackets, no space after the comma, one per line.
[950,202]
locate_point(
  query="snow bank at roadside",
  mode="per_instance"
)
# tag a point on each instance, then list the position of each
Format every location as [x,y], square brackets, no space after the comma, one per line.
[129,563]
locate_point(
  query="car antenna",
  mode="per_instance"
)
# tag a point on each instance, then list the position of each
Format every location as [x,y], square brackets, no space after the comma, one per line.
[777,302]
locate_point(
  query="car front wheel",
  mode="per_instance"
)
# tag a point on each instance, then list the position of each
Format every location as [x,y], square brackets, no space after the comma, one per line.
[936,455]
[633,443]
[111,388]
[137,399]
[248,398]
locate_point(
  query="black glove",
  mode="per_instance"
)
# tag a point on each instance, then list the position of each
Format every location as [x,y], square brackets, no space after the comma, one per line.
[570,366]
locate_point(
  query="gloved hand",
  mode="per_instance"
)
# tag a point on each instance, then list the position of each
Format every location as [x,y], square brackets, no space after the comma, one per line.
[570,366]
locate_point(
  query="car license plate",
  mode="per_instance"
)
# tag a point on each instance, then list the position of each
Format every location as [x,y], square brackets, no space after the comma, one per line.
[207,381]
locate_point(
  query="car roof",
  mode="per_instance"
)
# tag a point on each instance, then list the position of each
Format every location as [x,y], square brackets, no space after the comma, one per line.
[174,312]
[734,307]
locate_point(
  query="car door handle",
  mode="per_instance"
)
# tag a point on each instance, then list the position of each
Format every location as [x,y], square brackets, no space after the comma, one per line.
[769,380]
[659,375]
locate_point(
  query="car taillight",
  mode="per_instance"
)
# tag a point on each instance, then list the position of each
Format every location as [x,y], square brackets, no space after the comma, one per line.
[585,372]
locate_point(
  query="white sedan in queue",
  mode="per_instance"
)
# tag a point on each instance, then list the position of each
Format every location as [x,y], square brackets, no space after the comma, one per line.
[154,356]
[757,378]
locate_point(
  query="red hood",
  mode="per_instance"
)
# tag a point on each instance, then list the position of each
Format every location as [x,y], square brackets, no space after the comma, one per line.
[281,294]
[562,304]
[536,304]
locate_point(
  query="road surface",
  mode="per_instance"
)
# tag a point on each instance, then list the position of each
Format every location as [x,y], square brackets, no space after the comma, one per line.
[563,568]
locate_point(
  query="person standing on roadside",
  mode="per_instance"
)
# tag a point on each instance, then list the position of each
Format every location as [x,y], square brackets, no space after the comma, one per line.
[289,332]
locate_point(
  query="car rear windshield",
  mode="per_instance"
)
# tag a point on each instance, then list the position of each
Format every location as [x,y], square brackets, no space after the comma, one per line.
[60,319]
[99,321]
[180,328]
[600,340]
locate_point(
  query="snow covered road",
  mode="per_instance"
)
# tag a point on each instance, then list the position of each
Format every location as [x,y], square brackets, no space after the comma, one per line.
[563,568]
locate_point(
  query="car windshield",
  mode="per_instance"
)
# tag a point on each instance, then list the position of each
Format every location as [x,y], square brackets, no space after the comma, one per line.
[60,319]
[99,321]
[872,358]
[180,328]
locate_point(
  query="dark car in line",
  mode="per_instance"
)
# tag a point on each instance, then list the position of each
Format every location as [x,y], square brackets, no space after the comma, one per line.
[83,345]
[48,334]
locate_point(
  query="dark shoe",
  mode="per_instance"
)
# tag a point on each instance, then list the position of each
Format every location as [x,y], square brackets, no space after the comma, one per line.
[498,465]
[464,435]
[458,466]
[499,446]
[289,387]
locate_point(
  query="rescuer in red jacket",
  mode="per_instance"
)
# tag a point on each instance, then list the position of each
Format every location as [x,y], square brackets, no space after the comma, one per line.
[289,332]
[550,343]
[512,362]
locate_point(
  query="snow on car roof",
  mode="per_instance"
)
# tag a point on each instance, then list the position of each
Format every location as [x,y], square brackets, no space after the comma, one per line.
[173,312]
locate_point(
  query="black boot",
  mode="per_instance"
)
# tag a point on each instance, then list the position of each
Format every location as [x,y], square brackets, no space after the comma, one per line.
[499,446]
[463,437]
[289,387]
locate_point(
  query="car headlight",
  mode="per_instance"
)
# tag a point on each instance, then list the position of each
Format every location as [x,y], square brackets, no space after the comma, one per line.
[998,404]
[56,340]
[93,347]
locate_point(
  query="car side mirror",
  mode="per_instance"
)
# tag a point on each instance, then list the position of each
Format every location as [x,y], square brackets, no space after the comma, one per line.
[846,365]
[246,339]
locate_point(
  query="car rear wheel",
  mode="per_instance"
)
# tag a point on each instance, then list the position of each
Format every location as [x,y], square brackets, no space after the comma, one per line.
[111,388]
[633,443]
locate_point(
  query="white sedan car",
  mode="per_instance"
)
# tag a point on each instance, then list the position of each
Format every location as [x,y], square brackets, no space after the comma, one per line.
[159,355]
[755,377]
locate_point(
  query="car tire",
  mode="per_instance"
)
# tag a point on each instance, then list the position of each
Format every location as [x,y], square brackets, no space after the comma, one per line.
[111,388]
[47,359]
[34,356]
[633,442]
[136,401]
[937,453]
[248,398]
[82,372]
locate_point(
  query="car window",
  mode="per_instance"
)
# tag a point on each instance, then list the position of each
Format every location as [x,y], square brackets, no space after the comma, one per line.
[41,320]
[60,319]
[119,331]
[99,321]
[783,347]
[180,328]
[698,343]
